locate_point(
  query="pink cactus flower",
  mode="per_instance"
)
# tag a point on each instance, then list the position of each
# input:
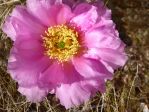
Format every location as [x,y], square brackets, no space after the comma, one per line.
[70,50]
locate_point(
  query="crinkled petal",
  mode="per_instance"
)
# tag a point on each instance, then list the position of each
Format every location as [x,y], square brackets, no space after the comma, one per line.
[75,94]
[64,15]
[57,73]
[113,56]
[45,10]
[46,4]
[73,3]
[29,48]
[86,19]
[102,37]
[9,29]
[25,18]
[90,68]
[22,23]
[82,8]
[122,47]
[26,62]
[109,55]
[33,94]
[26,73]
[78,92]
[103,11]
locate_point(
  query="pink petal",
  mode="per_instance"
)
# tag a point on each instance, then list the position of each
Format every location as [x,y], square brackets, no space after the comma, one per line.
[76,94]
[82,8]
[57,73]
[72,3]
[103,11]
[45,10]
[104,25]
[27,61]
[90,68]
[102,38]
[26,73]
[22,23]
[79,92]
[20,13]
[122,47]
[33,94]
[29,48]
[109,55]
[54,74]
[64,15]
[113,56]
[86,19]
[110,67]
[9,29]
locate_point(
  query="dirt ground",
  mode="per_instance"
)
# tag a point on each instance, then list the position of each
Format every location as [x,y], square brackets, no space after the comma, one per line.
[129,89]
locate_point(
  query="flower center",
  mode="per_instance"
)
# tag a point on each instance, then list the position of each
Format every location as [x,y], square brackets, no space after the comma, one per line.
[61,42]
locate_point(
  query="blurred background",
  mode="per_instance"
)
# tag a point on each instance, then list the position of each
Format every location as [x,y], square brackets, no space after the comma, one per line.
[129,89]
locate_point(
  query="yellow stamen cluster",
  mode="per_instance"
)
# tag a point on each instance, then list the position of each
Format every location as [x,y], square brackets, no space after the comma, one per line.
[61,42]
